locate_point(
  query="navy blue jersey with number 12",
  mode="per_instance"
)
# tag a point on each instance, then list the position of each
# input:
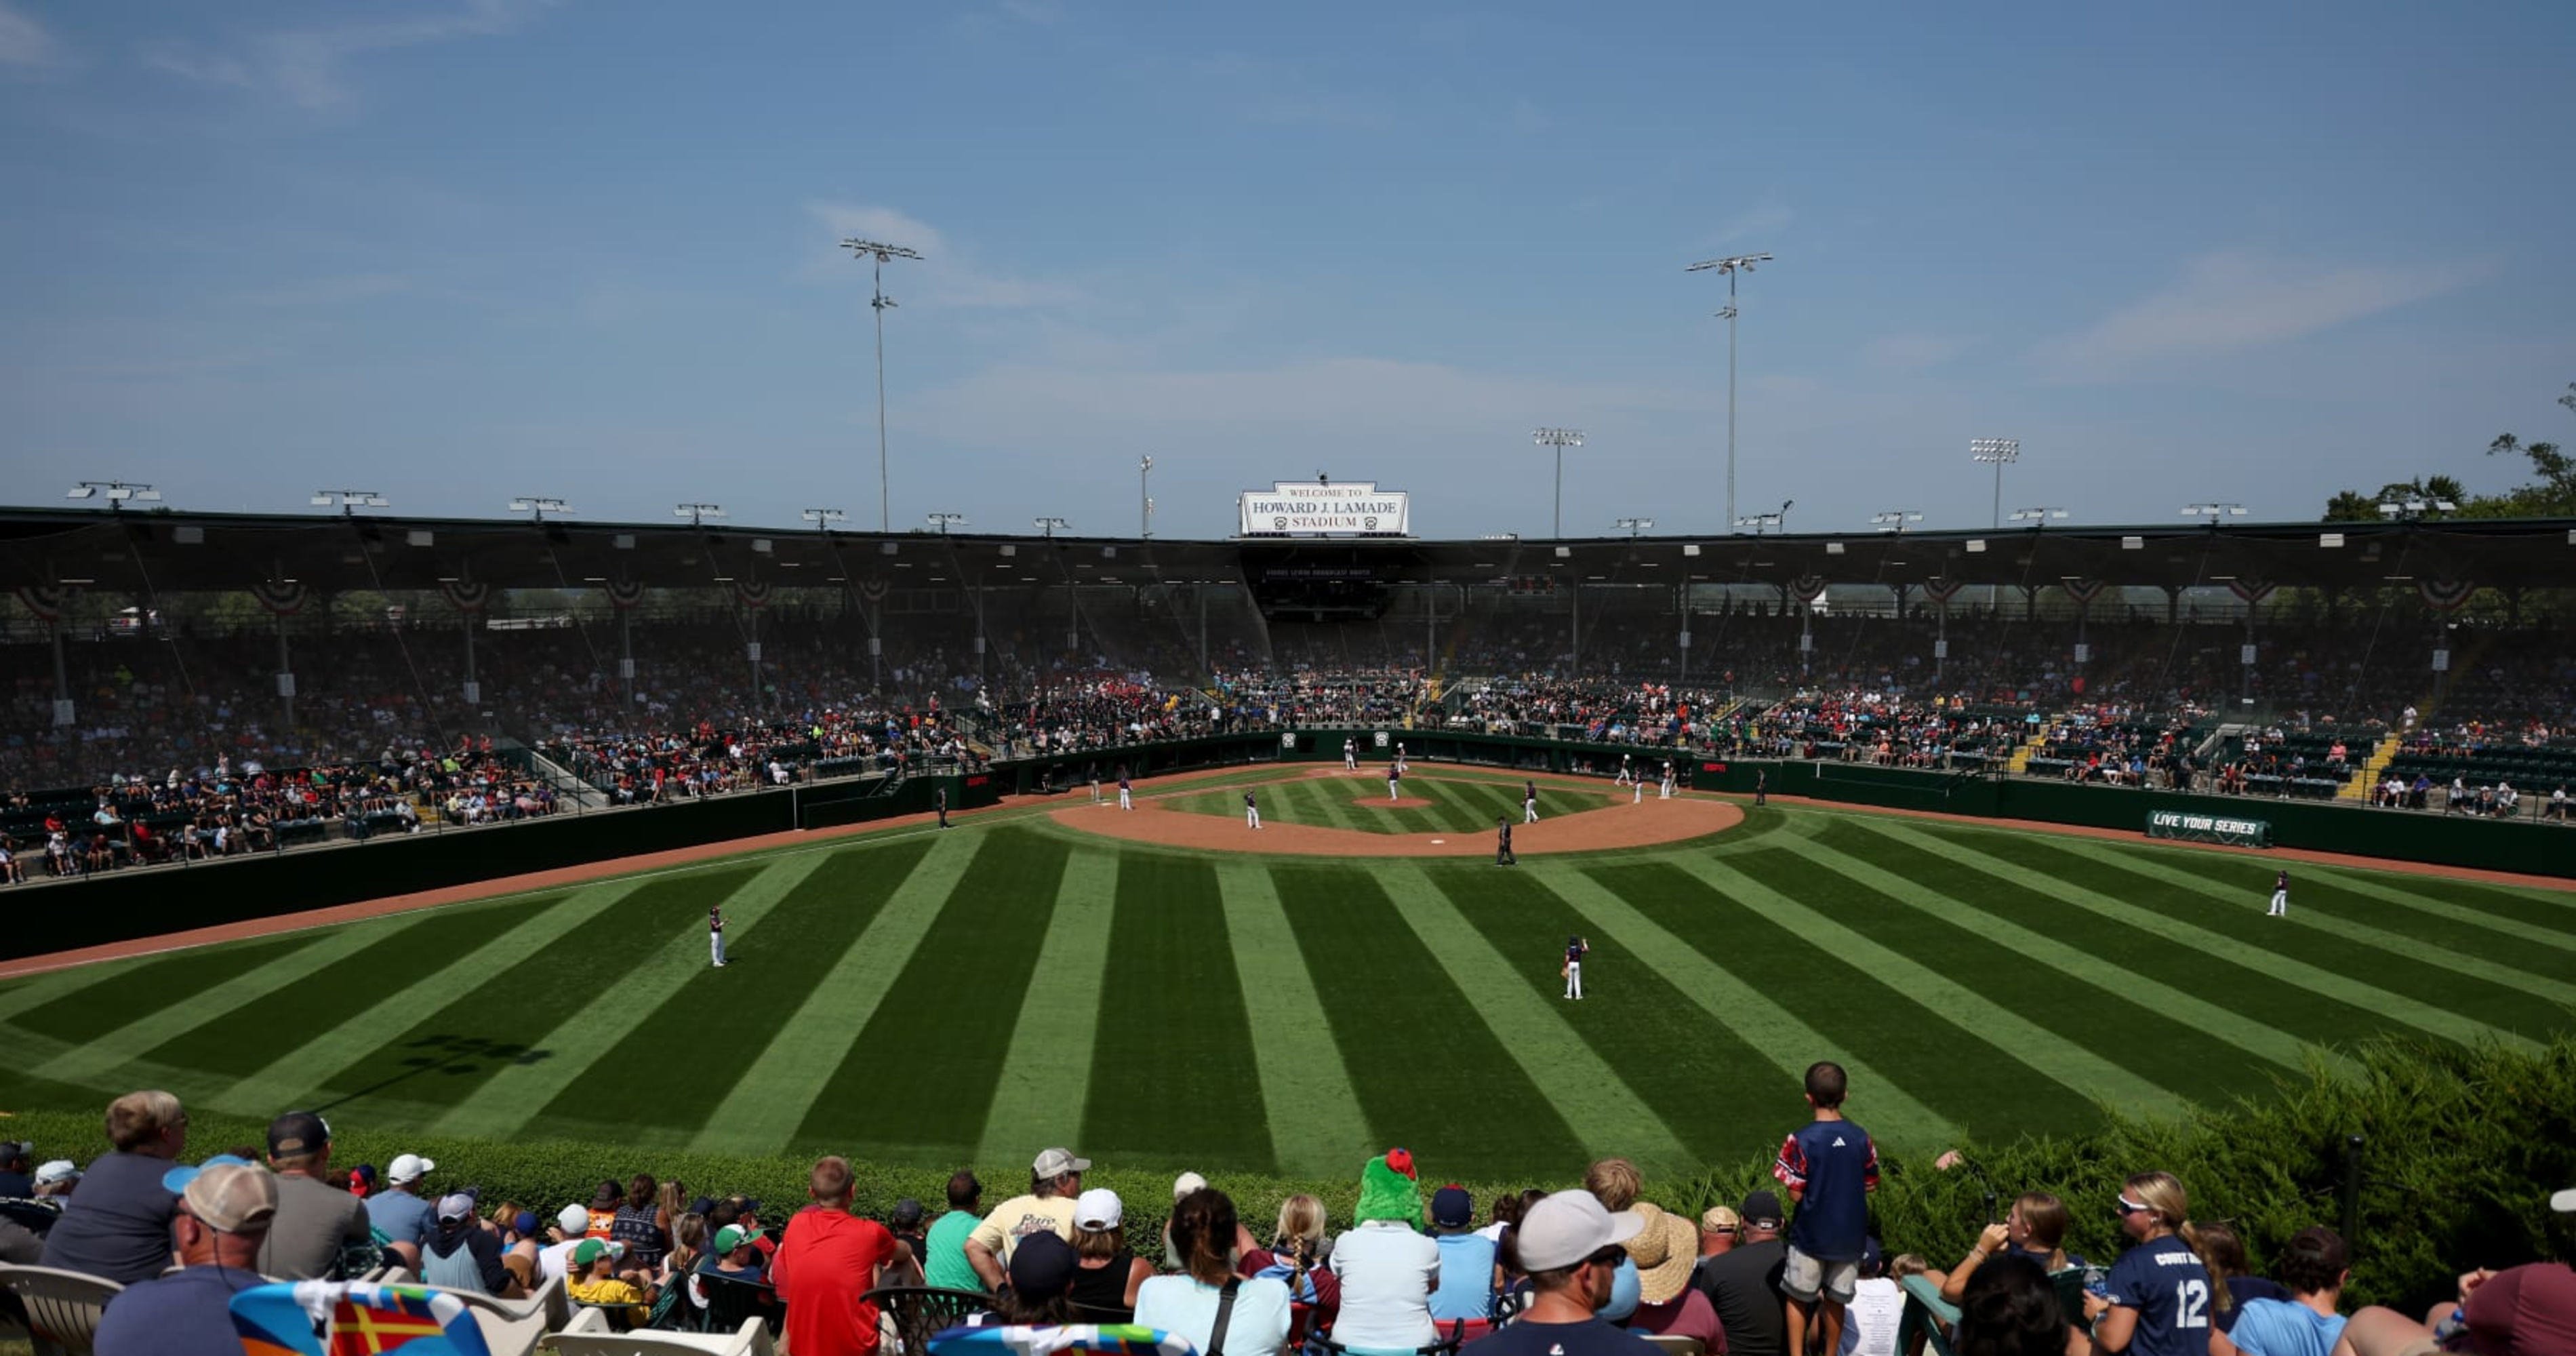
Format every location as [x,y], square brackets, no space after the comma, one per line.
[2166,1283]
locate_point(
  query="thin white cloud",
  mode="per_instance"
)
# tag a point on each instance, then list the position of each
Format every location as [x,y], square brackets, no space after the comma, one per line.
[2231,300]
[308,66]
[946,275]
[25,43]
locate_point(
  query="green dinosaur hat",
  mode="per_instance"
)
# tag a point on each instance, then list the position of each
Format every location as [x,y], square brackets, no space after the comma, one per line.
[1389,1189]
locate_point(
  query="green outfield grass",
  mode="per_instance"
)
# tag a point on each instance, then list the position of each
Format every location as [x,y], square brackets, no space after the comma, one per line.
[1458,804]
[928,998]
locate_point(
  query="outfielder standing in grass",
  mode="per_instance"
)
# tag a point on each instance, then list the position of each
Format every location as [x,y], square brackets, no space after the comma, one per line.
[1575,946]
[1503,855]
[715,932]
[2280,895]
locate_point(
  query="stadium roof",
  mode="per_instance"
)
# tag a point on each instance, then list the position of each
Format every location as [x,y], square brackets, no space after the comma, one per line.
[155,551]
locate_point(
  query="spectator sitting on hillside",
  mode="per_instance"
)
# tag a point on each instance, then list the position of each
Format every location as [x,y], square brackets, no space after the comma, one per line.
[736,1254]
[1615,1182]
[2312,1269]
[2032,1228]
[1204,1228]
[2225,1252]
[1664,1251]
[1299,1257]
[1743,1284]
[640,1224]
[2008,1307]
[1466,1258]
[1568,1244]
[1877,1308]
[1109,1272]
[826,1265]
[400,1213]
[2525,1309]
[1055,1179]
[315,1221]
[943,1258]
[1044,1272]
[591,1282]
[223,1213]
[462,1255]
[1387,1269]
[570,1226]
[121,1230]
[1718,1228]
[16,1159]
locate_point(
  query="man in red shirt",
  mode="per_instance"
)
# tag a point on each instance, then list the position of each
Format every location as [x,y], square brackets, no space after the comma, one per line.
[827,1260]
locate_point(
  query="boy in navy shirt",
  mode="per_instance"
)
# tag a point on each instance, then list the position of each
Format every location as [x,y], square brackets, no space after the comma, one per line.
[1830,1167]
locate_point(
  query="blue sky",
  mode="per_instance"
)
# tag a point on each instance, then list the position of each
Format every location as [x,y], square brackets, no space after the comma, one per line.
[457,252]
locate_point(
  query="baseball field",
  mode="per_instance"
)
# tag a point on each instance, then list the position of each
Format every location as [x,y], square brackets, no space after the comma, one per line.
[1191,993]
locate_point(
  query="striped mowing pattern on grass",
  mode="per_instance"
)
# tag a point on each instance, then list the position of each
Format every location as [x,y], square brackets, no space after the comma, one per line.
[972,996]
[1458,804]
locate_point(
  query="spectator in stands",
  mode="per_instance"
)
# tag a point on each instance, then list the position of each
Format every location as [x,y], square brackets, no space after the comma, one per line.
[19,1247]
[2033,1228]
[1466,1258]
[1108,1271]
[1664,1251]
[638,1222]
[1055,1179]
[826,1264]
[315,1220]
[1045,1275]
[1743,1284]
[120,1229]
[1297,1258]
[1569,1245]
[593,1282]
[400,1213]
[516,1227]
[943,1259]
[462,1255]
[2520,1311]
[1718,1228]
[1877,1310]
[604,1202]
[736,1254]
[17,1159]
[57,1178]
[1204,1226]
[2226,1253]
[905,1223]
[223,1211]
[569,1227]
[1830,1167]
[2162,1293]
[2008,1307]
[1615,1182]
[1387,1268]
[2311,1268]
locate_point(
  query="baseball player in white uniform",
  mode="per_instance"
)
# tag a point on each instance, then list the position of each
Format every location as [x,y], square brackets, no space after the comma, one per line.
[1251,811]
[715,934]
[1350,755]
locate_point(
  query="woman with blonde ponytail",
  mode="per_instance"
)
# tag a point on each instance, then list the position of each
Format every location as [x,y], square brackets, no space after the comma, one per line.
[2162,1296]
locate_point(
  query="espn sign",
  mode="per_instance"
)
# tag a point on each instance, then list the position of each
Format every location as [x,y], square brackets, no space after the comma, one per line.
[1323,509]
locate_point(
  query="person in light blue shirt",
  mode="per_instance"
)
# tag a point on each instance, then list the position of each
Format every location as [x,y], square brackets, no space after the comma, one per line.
[1466,1258]
[2313,1267]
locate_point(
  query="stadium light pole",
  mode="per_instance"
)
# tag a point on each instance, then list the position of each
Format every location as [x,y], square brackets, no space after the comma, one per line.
[1775,520]
[1560,439]
[116,492]
[1730,266]
[540,505]
[823,518]
[880,252]
[1633,526]
[2213,512]
[2000,452]
[697,514]
[1049,525]
[1894,520]
[349,501]
[2038,517]
[1145,498]
[945,521]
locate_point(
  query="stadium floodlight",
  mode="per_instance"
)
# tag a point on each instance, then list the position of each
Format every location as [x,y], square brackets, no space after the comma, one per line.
[1894,520]
[1731,265]
[880,252]
[2213,512]
[350,501]
[115,492]
[697,514]
[2001,452]
[945,521]
[1560,439]
[2413,509]
[1759,521]
[540,505]
[1049,525]
[823,518]
[1634,526]
[2039,516]
[1144,497]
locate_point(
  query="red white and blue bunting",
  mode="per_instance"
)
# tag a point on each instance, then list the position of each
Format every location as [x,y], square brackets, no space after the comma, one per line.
[1807,588]
[624,594]
[284,598]
[1941,588]
[752,593]
[2445,595]
[47,601]
[467,594]
[2083,591]
[2253,591]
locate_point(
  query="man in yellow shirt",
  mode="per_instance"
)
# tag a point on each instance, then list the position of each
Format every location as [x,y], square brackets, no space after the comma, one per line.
[591,1282]
[1055,1180]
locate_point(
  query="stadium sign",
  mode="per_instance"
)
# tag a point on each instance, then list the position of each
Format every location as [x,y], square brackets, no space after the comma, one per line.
[2199,828]
[1320,508]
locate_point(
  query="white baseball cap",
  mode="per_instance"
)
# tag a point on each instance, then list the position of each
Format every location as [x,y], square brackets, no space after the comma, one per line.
[1569,1226]
[574,1220]
[2564,1202]
[1098,1210]
[1186,1183]
[409,1168]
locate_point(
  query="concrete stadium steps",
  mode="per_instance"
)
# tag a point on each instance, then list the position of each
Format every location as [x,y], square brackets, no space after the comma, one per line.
[2372,768]
[2026,750]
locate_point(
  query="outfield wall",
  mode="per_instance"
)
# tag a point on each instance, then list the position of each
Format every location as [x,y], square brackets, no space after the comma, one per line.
[149,903]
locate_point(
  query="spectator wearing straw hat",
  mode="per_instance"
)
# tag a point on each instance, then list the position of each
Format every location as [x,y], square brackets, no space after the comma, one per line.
[1665,1251]
[224,1210]
[1743,1284]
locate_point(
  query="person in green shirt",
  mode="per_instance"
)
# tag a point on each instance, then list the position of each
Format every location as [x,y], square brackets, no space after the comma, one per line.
[945,1265]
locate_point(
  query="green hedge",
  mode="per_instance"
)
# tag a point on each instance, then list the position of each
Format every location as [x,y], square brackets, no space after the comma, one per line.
[2463,1146]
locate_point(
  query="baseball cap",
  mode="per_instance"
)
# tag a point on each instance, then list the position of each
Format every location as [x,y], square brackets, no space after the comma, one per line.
[1717,1219]
[2564,1202]
[1761,1210]
[1186,1183]
[11,1150]
[587,1251]
[573,1220]
[525,1225]
[1058,1162]
[734,1236]
[59,1170]
[1569,1226]
[225,1193]
[296,1134]
[1452,1207]
[1042,1265]
[1099,1210]
[456,1205]
[408,1168]
[907,1212]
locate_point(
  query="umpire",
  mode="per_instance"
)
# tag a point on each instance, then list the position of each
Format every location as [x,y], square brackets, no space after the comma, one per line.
[1503,842]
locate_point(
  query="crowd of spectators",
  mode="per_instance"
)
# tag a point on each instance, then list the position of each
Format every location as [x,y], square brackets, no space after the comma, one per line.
[1585,1271]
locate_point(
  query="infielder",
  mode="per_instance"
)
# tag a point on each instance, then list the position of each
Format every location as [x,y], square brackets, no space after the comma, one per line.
[1574,948]
[1627,775]
[1638,796]
[1350,755]
[1664,791]
[1394,780]
[1399,757]
[1126,790]
[715,934]
[2280,895]
[1529,801]
[1503,855]
[1251,811]
[1093,772]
